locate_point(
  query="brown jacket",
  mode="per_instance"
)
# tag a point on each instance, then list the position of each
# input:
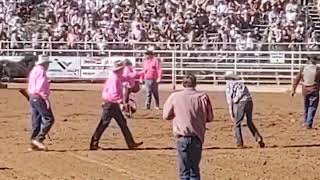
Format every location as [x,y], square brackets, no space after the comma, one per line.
[306,90]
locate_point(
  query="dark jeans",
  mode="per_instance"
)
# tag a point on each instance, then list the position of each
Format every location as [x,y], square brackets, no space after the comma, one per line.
[42,118]
[126,94]
[152,88]
[112,110]
[310,107]
[189,155]
[244,108]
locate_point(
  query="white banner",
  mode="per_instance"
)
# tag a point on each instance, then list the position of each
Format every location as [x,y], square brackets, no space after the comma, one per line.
[277,58]
[98,67]
[12,58]
[64,67]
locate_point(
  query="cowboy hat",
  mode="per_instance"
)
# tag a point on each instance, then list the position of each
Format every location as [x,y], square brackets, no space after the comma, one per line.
[150,50]
[127,62]
[43,59]
[231,75]
[116,66]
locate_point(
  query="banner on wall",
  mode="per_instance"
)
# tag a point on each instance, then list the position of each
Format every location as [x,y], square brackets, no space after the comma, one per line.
[64,67]
[277,58]
[98,67]
[12,58]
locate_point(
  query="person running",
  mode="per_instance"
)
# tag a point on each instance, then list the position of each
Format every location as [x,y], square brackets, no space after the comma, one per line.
[240,104]
[112,95]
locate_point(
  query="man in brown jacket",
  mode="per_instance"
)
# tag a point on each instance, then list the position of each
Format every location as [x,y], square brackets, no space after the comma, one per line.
[309,76]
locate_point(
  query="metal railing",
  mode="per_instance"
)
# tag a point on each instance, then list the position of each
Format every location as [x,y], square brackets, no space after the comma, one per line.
[255,67]
[103,47]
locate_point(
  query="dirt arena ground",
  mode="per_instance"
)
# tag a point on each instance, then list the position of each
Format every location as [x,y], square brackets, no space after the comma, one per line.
[292,152]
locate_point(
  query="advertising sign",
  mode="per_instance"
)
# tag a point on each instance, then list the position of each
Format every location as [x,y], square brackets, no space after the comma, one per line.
[98,67]
[277,58]
[64,67]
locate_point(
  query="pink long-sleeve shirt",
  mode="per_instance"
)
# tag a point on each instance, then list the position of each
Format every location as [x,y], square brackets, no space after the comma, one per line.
[190,110]
[113,88]
[39,82]
[130,75]
[151,69]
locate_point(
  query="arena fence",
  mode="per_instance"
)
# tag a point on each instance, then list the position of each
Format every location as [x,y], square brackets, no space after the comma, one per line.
[104,46]
[255,67]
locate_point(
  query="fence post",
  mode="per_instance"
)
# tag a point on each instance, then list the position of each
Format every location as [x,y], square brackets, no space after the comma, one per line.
[235,62]
[91,48]
[50,47]
[292,66]
[300,50]
[181,59]
[173,74]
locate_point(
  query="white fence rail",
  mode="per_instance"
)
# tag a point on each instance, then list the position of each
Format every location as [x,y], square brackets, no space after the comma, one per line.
[255,67]
[103,46]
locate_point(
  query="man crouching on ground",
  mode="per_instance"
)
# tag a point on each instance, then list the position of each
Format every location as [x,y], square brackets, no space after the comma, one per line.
[190,110]
[240,104]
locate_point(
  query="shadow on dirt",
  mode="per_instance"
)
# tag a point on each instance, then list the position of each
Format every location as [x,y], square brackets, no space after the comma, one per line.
[172,148]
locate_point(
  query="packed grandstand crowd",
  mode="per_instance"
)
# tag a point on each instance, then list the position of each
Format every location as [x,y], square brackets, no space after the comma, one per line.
[104,24]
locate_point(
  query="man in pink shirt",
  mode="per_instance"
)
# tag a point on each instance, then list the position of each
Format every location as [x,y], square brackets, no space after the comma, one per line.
[39,91]
[190,110]
[132,86]
[151,74]
[112,95]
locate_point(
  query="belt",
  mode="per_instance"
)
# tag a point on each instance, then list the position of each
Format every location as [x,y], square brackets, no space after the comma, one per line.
[180,136]
[37,95]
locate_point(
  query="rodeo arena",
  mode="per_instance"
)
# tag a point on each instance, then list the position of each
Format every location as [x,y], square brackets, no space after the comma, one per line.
[159,89]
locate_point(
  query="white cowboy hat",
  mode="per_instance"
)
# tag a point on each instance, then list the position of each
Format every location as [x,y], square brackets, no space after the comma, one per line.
[116,66]
[43,59]
[231,74]
[150,50]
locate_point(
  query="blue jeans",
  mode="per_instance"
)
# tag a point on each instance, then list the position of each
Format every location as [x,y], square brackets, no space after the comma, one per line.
[189,155]
[152,88]
[42,118]
[310,108]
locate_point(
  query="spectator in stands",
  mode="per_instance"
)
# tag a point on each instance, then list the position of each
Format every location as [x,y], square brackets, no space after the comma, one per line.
[273,15]
[14,39]
[241,43]
[250,42]
[35,40]
[73,37]
[100,40]
[155,20]
[292,10]
[222,8]
[312,41]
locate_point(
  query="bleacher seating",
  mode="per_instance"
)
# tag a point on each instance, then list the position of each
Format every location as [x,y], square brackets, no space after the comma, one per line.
[95,24]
